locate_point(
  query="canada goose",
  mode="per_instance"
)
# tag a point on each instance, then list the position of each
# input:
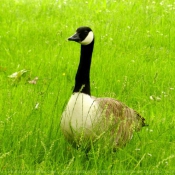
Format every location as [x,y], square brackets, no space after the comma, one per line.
[87,118]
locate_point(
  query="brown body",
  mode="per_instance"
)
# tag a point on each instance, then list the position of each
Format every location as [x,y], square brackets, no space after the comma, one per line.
[87,119]
[121,120]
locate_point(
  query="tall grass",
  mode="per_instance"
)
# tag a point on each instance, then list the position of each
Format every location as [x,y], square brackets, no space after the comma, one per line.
[133,61]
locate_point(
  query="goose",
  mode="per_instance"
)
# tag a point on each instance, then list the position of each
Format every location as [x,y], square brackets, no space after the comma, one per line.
[86,118]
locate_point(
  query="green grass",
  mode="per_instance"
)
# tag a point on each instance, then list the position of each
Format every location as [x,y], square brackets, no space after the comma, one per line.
[133,61]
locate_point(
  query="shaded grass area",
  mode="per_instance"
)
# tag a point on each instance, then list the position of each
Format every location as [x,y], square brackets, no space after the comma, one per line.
[133,61]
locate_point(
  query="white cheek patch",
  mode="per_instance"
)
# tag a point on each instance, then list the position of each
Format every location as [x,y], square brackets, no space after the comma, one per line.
[88,39]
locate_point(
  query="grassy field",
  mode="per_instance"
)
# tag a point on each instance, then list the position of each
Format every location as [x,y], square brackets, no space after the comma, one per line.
[133,61]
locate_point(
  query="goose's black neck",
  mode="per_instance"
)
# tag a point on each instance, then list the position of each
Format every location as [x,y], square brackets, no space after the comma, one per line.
[82,79]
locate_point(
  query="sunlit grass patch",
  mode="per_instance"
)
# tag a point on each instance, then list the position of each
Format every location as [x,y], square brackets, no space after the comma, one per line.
[133,61]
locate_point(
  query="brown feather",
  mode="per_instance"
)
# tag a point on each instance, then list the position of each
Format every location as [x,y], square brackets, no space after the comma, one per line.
[120,120]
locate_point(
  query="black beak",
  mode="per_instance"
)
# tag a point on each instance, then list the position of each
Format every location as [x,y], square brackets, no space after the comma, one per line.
[74,37]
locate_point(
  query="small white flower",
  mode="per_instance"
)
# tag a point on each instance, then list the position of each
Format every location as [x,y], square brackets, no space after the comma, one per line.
[149,154]
[36,106]
[169,5]
[151,97]
[161,3]
[34,81]
[137,149]
[158,98]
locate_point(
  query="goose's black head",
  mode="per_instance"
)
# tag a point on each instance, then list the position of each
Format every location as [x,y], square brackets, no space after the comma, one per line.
[83,35]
